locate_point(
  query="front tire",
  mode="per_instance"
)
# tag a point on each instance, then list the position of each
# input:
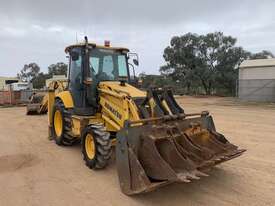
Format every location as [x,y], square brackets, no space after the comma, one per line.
[96,146]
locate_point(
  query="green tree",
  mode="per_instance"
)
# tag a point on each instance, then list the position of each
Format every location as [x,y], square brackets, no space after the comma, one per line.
[28,72]
[151,80]
[59,68]
[205,60]
[40,80]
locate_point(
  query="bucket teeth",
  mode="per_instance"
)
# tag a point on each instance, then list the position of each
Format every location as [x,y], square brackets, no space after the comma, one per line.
[162,161]
[182,178]
[187,176]
[178,155]
[207,148]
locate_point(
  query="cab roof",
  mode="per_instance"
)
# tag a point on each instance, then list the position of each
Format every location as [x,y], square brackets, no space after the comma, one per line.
[68,48]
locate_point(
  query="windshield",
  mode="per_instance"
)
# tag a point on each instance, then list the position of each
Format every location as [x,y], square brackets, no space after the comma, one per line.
[106,64]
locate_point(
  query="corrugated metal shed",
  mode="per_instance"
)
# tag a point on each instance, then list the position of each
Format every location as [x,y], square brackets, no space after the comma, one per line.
[257,80]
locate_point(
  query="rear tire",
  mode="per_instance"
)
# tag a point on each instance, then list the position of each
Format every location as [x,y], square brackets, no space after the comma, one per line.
[96,146]
[62,125]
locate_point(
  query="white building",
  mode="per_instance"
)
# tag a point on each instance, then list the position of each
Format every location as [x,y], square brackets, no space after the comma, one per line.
[19,86]
[6,81]
[257,80]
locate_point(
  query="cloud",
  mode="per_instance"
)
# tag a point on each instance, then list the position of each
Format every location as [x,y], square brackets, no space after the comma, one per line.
[38,30]
[14,32]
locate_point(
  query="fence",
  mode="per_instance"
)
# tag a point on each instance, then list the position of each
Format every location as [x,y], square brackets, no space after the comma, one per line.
[14,97]
[25,95]
[257,90]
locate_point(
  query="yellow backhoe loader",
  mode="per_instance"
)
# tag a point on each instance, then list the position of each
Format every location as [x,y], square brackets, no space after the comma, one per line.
[156,141]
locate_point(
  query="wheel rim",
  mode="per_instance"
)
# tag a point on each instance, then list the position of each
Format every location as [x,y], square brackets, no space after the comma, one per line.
[58,123]
[90,146]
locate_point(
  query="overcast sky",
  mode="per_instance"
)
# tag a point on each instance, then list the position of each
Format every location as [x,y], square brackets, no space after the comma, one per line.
[38,30]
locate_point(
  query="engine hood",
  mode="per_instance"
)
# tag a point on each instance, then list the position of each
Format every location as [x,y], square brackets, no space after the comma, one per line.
[127,88]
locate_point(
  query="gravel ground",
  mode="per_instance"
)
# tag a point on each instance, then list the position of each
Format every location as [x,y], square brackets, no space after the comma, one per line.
[35,171]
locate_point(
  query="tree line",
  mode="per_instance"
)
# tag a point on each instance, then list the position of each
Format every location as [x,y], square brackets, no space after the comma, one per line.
[31,73]
[205,64]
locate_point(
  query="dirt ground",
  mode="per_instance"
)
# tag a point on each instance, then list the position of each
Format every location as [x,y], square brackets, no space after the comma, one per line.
[35,171]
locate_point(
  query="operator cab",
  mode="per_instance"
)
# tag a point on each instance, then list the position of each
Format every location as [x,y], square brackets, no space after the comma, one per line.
[91,64]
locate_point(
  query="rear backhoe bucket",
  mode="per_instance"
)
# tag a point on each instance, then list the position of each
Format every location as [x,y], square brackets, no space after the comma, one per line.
[174,148]
[33,108]
[38,104]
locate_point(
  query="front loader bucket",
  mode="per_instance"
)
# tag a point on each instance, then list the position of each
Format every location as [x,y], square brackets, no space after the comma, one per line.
[154,152]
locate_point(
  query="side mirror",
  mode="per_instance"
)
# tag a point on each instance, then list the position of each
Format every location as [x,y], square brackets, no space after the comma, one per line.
[136,62]
[75,56]
[134,57]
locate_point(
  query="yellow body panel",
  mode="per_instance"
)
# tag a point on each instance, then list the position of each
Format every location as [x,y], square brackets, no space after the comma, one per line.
[76,127]
[117,103]
[66,98]
[128,89]
[111,125]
